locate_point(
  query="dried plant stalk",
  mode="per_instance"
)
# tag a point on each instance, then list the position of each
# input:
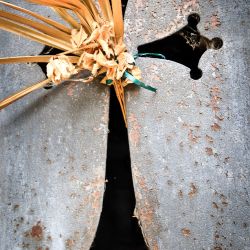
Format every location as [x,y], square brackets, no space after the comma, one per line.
[7,101]
[96,40]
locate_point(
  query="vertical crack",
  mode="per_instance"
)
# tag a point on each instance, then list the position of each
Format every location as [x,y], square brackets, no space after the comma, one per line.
[118,228]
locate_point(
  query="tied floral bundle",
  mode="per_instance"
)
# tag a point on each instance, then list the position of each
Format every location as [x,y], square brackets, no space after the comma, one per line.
[93,41]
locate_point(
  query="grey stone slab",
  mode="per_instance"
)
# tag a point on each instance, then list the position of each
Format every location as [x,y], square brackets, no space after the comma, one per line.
[52,156]
[189,142]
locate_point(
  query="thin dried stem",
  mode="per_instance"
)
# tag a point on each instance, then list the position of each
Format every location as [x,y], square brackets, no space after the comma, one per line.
[33,59]
[7,101]
[33,35]
[35,25]
[67,17]
[51,22]
[119,90]
[118,19]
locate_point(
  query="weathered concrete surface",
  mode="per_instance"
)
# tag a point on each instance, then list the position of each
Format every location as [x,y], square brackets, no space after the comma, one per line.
[189,141]
[53,156]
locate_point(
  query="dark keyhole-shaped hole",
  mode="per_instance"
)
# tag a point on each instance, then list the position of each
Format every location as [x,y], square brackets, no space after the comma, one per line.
[185,46]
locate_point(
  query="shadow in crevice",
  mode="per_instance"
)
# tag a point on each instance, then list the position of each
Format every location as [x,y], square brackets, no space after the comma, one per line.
[118,229]
[185,46]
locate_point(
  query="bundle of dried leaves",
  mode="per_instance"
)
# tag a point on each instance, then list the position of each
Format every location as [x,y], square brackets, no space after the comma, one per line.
[95,38]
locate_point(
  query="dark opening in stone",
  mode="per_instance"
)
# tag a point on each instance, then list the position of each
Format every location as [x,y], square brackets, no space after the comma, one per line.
[185,46]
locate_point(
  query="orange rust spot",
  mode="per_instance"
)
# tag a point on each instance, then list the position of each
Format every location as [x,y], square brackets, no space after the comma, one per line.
[147,214]
[215,90]
[37,231]
[193,138]
[134,133]
[185,232]
[215,127]
[70,243]
[215,21]
[215,98]
[70,89]
[209,151]
[193,190]
[97,197]
[155,247]
[142,184]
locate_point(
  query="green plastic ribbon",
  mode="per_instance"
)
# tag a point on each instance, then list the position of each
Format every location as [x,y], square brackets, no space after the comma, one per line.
[109,81]
[137,82]
[133,79]
[149,54]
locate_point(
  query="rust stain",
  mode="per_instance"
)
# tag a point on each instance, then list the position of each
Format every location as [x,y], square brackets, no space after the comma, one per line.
[193,138]
[134,134]
[37,231]
[215,98]
[185,232]
[215,21]
[155,247]
[209,151]
[193,190]
[145,209]
[146,214]
[186,6]
[69,243]
[96,200]
[70,89]
[216,127]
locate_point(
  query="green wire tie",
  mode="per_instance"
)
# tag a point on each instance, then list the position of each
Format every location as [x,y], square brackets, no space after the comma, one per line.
[138,83]
[109,81]
[133,79]
[149,54]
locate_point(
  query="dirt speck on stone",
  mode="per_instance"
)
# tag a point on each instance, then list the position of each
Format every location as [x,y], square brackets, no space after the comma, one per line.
[193,190]
[216,127]
[37,231]
[185,232]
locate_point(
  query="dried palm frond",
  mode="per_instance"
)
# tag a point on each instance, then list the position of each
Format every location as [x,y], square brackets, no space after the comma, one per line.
[94,38]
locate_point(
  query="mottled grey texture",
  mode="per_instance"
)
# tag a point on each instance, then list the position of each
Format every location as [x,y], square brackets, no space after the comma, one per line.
[53,156]
[189,142]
